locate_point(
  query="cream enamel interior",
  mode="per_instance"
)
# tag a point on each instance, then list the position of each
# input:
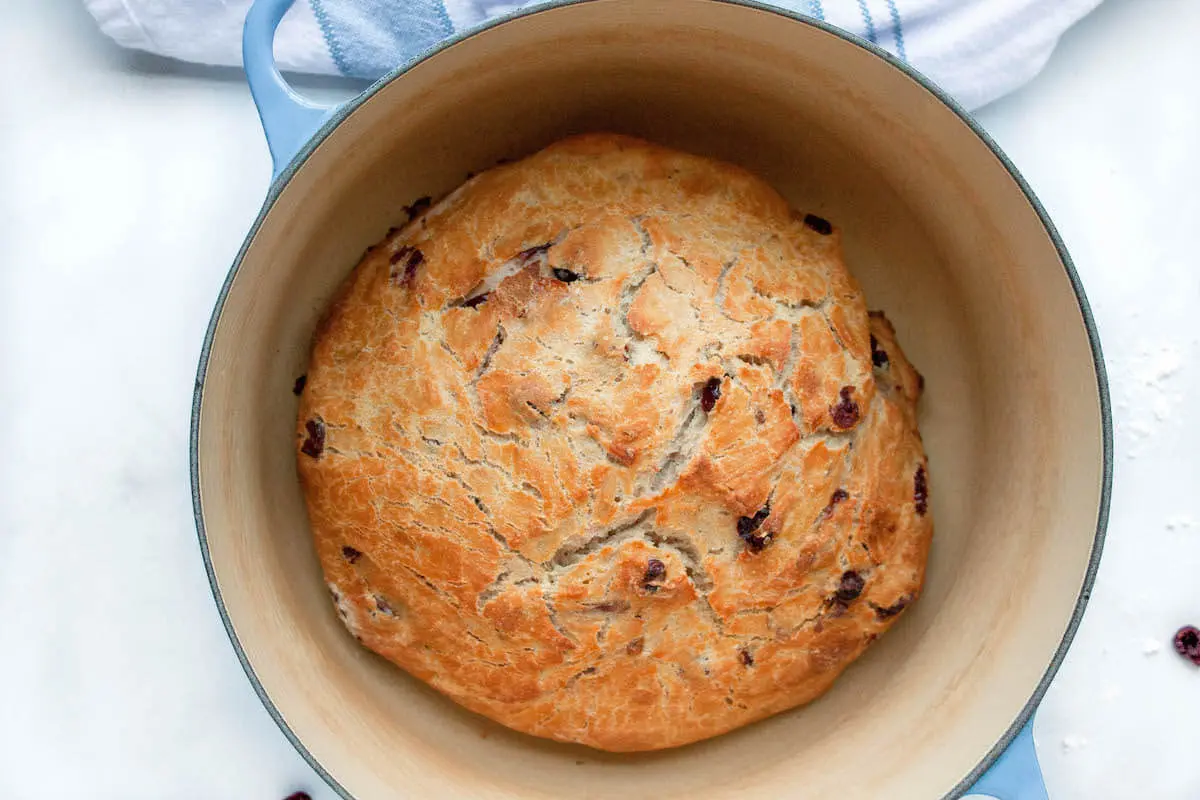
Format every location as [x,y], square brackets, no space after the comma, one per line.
[942,239]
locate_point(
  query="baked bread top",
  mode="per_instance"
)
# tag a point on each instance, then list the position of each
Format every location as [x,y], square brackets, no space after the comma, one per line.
[606,447]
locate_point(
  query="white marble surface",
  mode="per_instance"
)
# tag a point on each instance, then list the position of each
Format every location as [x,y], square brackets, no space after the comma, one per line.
[126,186]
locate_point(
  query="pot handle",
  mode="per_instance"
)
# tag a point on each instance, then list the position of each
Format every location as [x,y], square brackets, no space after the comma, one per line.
[288,120]
[1016,774]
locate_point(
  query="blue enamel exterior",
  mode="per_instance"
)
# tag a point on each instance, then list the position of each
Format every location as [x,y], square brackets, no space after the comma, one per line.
[288,120]
[1016,774]
[291,123]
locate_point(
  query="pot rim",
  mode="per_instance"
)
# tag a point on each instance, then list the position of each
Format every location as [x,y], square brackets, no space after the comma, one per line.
[343,111]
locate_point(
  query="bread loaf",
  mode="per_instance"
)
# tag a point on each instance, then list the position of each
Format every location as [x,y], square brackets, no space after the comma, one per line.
[606,447]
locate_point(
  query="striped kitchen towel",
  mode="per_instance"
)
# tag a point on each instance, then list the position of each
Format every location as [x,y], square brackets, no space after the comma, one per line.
[977,50]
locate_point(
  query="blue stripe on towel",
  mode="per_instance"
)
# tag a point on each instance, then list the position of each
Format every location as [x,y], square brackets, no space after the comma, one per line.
[368,37]
[897,29]
[817,10]
[868,22]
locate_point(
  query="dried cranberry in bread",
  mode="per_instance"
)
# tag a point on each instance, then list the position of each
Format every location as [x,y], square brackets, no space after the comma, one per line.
[606,447]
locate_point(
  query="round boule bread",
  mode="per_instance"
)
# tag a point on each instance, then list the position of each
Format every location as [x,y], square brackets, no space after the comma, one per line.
[606,447]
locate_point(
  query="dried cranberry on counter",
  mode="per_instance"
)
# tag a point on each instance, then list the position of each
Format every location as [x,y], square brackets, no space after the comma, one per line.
[1187,643]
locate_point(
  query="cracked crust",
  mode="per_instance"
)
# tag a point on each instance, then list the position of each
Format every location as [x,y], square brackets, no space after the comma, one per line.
[523,493]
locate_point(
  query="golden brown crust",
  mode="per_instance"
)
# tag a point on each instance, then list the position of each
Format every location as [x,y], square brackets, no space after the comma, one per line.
[532,501]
